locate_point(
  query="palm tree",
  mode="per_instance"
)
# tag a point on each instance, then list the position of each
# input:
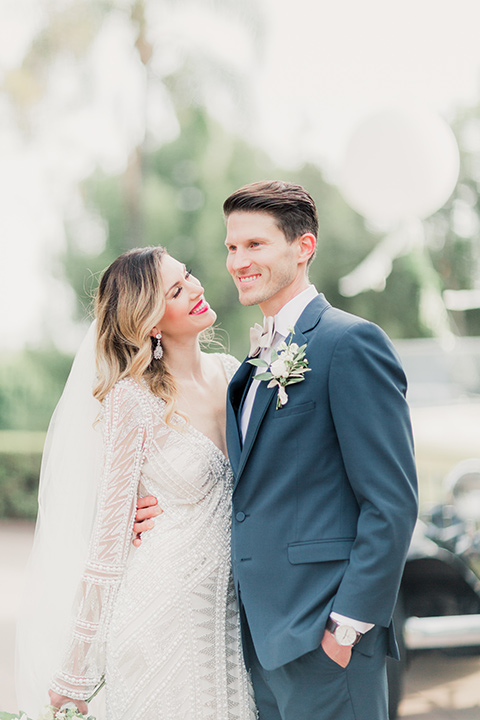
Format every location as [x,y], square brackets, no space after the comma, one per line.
[104,83]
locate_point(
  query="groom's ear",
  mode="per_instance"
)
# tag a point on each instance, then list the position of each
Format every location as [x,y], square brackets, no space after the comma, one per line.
[306,247]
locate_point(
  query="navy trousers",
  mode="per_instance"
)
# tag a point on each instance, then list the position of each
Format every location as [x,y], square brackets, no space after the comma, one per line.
[314,687]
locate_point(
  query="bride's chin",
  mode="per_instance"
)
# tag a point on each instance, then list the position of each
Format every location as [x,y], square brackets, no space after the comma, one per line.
[209,318]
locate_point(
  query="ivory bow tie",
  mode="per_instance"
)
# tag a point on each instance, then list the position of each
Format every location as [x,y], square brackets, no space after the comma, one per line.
[261,337]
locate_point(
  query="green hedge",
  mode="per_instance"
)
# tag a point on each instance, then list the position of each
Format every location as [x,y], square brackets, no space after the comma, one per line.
[19,485]
[20,459]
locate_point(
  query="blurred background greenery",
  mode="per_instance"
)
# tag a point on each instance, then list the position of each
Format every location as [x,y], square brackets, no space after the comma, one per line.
[169,189]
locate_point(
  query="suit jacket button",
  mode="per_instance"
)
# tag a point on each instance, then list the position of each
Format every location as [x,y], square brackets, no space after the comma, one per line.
[240,516]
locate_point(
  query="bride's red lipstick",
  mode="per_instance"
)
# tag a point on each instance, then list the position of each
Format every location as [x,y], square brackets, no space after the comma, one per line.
[194,311]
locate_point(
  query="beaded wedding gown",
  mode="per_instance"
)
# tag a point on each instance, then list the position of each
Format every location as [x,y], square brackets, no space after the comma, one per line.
[159,621]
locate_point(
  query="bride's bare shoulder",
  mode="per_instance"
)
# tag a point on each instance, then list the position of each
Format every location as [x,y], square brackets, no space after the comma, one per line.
[225,363]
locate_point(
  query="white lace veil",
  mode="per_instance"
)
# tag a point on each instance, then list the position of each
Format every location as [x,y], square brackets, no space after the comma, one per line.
[67,504]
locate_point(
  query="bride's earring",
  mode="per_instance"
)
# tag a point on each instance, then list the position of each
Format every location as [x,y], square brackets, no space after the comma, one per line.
[158,351]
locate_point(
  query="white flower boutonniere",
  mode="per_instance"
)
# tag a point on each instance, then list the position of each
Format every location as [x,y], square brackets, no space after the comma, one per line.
[288,366]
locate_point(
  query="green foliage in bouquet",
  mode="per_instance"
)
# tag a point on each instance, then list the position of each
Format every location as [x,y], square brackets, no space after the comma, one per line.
[68,712]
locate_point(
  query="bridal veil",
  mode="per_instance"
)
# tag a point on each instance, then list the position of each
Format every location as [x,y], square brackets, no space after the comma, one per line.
[66,510]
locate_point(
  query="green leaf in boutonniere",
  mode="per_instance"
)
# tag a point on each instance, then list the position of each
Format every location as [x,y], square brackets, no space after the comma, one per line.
[264,376]
[288,366]
[258,363]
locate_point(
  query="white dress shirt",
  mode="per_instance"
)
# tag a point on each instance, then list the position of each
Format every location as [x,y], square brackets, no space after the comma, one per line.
[286,318]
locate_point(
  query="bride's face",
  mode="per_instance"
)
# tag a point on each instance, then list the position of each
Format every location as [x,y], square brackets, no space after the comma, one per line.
[186,311]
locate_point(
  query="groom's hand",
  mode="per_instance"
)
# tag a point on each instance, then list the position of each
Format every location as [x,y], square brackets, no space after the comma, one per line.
[147,509]
[340,654]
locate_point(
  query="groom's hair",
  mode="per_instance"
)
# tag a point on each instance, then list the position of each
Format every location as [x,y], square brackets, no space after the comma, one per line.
[290,205]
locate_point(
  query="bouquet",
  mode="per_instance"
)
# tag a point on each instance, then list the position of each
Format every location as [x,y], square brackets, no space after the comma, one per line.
[67,712]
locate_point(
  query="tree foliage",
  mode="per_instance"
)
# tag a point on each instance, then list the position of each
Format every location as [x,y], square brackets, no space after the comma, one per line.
[171,192]
[454,232]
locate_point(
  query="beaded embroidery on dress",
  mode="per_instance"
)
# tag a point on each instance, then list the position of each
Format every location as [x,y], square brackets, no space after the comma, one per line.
[161,621]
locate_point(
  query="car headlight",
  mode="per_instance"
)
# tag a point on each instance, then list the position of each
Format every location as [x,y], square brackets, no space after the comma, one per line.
[463,487]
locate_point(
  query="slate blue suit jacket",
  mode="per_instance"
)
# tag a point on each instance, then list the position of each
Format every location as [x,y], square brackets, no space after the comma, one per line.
[325,495]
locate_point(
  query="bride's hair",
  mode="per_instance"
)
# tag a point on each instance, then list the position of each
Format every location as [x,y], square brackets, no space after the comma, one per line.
[130,301]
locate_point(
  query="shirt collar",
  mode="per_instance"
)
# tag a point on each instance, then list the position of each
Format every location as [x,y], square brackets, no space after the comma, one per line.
[288,315]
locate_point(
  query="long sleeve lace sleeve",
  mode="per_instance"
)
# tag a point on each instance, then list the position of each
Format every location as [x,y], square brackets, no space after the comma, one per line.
[125,440]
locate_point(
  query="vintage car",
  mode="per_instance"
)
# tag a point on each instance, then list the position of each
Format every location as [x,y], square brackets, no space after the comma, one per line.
[439,601]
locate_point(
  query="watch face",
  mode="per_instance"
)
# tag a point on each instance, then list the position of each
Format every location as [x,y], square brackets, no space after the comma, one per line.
[345,635]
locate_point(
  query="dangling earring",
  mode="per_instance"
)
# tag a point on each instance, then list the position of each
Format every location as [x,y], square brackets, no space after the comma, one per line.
[158,351]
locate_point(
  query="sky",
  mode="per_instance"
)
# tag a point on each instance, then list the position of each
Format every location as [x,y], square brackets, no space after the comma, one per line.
[318,69]
[327,65]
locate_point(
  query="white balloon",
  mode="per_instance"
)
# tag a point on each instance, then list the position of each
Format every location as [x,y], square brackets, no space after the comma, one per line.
[399,164]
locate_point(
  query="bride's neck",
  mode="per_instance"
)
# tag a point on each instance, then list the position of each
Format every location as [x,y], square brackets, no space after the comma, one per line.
[184,361]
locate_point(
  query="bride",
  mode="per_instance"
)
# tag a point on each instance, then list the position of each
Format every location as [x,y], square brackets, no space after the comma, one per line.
[160,621]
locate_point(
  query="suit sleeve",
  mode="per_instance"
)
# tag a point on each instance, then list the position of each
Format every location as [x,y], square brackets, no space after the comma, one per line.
[367,389]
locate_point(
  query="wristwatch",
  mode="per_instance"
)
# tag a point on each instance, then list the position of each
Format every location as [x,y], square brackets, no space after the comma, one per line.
[343,634]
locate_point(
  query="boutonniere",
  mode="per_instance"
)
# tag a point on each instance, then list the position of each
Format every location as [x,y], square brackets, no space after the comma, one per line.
[287,366]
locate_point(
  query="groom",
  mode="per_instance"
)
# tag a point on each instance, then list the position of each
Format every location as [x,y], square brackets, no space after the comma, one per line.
[324,499]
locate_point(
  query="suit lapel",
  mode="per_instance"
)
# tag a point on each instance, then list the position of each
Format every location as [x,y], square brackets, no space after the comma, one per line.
[237,390]
[311,316]
[264,396]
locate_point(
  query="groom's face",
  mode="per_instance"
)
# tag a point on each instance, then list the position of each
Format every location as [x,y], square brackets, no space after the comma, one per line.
[264,266]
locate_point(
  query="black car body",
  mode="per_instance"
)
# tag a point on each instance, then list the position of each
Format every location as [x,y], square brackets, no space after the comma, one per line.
[439,600]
